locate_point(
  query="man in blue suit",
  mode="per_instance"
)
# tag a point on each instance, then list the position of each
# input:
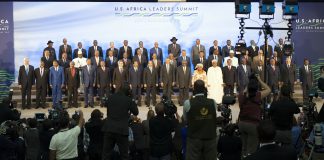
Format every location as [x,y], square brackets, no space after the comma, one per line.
[243,74]
[184,57]
[56,81]
[156,49]
[89,81]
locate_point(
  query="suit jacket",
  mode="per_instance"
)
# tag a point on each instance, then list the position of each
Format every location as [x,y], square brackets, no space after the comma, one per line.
[68,51]
[176,51]
[255,61]
[150,78]
[211,58]
[119,106]
[143,61]
[273,151]
[279,50]
[270,50]
[115,52]
[225,50]
[31,137]
[111,64]
[248,60]
[229,76]
[75,53]
[94,63]
[196,61]
[195,51]
[48,62]
[120,78]
[306,77]
[91,51]
[26,79]
[122,51]
[89,77]
[127,63]
[135,78]
[288,74]
[72,81]
[56,78]
[145,53]
[159,54]
[212,49]
[103,77]
[242,76]
[52,52]
[273,76]
[41,81]
[165,77]
[183,78]
[157,66]
[259,72]
[253,52]
[65,64]
[180,59]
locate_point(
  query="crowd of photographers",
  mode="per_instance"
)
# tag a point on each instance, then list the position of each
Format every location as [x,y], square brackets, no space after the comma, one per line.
[164,135]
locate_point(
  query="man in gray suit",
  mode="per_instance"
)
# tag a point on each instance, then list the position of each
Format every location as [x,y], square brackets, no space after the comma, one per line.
[89,81]
[120,76]
[150,80]
[183,79]
[229,77]
[195,50]
[288,74]
[174,47]
[306,78]
[103,81]
[167,78]
[135,81]
[243,74]
[273,78]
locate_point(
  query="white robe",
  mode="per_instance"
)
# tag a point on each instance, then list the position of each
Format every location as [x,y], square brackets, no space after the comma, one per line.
[215,84]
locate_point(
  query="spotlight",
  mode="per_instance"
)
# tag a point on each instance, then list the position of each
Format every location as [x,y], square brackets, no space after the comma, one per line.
[240,47]
[290,7]
[242,6]
[267,8]
[288,48]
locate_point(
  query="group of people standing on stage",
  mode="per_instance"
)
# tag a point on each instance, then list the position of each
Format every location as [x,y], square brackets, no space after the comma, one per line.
[89,72]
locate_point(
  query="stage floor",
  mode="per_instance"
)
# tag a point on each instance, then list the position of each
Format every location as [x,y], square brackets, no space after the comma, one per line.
[29,113]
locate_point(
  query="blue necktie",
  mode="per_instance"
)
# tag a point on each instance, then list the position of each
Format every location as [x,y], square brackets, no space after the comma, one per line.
[27,70]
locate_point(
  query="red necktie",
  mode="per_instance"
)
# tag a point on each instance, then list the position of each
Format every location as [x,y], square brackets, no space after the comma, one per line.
[73,72]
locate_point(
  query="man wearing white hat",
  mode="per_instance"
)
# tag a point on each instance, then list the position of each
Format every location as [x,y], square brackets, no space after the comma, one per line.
[234,59]
[80,62]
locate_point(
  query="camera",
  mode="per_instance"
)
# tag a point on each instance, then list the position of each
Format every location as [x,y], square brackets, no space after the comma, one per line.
[53,114]
[225,109]
[40,117]
[169,108]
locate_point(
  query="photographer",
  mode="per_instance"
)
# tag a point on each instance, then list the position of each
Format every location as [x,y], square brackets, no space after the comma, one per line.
[281,113]
[229,146]
[137,149]
[6,113]
[316,137]
[64,143]
[200,113]
[250,113]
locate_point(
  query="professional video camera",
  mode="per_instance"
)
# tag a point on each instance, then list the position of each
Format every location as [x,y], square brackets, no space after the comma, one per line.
[225,109]
[310,111]
[53,114]
[240,47]
[169,108]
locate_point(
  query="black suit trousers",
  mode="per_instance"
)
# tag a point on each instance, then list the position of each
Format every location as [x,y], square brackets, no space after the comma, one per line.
[103,92]
[136,93]
[150,95]
[183,95]
[72,95]
[26,91]
[167,89]
[41,92]
[110,140]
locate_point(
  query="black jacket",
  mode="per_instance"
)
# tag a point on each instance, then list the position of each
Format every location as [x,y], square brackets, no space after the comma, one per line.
[273,152]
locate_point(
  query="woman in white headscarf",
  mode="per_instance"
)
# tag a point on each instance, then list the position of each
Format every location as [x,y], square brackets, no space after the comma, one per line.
[215,82]
[199,74]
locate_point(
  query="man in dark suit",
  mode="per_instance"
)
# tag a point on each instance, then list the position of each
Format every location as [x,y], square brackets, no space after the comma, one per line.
[276,58]
[116,130]
[32,140]
[214,47]
[216,56]
[201,59]
[196,49]
[279,49]
[140,58]
[143,50]
[64,61]
[89,81]
[111,63]
[253,49]
[120,76]
[174,47]
[127,62]
[269,52]
[103,81]
[184,57]
[26,80]
[65,48]
[226,49]
[135,74]
[50,49]
[167,78]
[96,59]
[113,49]
[259,70]
[246,57]
[156,49]
[75,52]
[269,150]
[156,64]
[183,80]
[273,79]
[243,74]
[150,81]
[288,74]
[173,61]
[72,82]
[41,76]
[56,81]
[94,48]
[125,49]
[306,78]
[47,59]
[229,78]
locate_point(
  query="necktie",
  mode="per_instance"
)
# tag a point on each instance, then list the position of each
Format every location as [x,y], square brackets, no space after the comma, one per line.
[65,48]
[63,60]
[41,70]
[27,69]
[46,57]
[89,69]
[198,47]
[201,60]
[167,67]
[229,67]
[157,51]
[306,68]
[151,69]
[72,72]
[135,69]
[184,58]
[244,67]
[174,46]
[139,58]
[184,69]
[56,69]
[95,47]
